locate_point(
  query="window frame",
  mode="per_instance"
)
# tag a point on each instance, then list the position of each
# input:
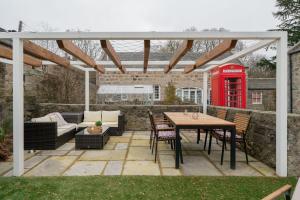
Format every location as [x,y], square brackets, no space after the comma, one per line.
[257,97]
[154,93]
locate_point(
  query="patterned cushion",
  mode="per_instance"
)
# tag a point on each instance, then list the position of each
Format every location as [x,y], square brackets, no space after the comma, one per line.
[166,134]
[158,126]
[220,134]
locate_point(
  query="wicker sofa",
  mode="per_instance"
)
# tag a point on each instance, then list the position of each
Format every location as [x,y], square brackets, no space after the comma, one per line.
[114,119]
[48,132]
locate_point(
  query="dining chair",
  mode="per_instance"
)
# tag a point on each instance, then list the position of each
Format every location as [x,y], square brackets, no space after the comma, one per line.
[163,134]
[221,114]
[160,123]
[241,123]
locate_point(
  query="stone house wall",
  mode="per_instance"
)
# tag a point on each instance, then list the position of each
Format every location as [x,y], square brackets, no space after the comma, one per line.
[268,100]
[261,133]
[295,61]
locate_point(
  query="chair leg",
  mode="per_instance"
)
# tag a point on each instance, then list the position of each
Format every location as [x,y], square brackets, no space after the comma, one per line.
[245,149]
[209,145]
[156,148]
[171,142]
[198,136]
[153,143]
[151,137]
[206,133]
[223,147]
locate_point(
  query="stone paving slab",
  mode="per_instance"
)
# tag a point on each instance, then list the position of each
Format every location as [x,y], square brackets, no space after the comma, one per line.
[109,146]
[5,166]
[141,168]
[118,139]
[140,153]
[171,172]
[142,133]
[242,169]
[121,146]
[167,160]
[198,166]
[240,156]
[10,173]
[85,168]
[52,153]
[140,143]
[31,162]
[103,155]
[141,137]
[113,168]
[127,133]
[53,166]
[262,168]
[67,147]
[75,153]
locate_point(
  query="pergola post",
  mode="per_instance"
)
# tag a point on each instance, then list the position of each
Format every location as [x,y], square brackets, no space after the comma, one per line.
[281,106]
[87,90]
[205,79]
[18,108]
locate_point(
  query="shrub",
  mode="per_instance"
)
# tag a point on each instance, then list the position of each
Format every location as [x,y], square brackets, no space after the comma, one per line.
[98,123]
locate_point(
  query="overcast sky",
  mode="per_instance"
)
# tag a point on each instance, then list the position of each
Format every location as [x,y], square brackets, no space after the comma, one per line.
[139,15]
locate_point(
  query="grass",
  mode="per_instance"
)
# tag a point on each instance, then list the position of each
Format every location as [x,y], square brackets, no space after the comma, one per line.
[139,187]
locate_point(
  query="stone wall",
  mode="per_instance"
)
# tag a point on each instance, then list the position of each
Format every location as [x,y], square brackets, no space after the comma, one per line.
[268,100]
[53,84]
[295,60]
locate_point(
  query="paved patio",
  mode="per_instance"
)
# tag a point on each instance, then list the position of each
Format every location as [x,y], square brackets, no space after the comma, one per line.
[130,155]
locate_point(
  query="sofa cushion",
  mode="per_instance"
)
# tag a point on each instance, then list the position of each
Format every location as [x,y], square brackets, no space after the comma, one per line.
[65,128]
[92,116]
[42,119]
[56,117]
[110,124]
[110,116]
[86,124]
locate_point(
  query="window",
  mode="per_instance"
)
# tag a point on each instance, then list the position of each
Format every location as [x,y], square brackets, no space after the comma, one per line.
[156,90]
[190,94]
[256,97]
[124,97]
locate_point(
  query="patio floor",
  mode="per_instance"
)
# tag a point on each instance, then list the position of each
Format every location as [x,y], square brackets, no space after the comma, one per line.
[130,155]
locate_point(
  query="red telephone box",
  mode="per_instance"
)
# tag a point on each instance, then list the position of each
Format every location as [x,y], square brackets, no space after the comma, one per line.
[228,86]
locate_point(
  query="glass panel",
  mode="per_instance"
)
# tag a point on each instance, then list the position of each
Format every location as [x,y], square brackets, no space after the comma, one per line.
[193,96]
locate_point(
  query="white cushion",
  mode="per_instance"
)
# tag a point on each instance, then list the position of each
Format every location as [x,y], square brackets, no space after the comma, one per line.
[42,119]
[86,124]
[65,128]
[92,116]
[110,116]
[110,124]
[56,117]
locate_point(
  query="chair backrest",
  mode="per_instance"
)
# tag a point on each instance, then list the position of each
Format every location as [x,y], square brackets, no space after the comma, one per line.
[241,121]
[221,114]
[151,120]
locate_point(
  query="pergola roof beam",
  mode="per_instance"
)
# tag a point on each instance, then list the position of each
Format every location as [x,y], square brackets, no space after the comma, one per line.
[42,53]
[181,51]
[6,52]
[109,50]
[223,47]
[69,47]
[146,54]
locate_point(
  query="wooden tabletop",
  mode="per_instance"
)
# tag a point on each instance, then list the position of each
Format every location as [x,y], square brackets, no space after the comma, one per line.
[192,118]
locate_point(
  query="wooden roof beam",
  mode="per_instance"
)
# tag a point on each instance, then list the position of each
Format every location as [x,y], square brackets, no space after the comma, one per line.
[223,47]
[146,54]
[72,49]
[109,50]
[181,51]
[44,54]
[6,52]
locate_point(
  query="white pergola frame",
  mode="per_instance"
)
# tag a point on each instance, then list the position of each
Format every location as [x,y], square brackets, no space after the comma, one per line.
[266,38]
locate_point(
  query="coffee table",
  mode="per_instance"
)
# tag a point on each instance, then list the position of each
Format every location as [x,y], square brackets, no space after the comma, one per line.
[86,140]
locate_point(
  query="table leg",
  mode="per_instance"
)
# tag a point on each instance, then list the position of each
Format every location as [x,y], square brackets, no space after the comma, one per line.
[232,149]
[177,146]
[198,135]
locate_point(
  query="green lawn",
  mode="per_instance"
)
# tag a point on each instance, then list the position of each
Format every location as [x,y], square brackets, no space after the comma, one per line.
[142,187]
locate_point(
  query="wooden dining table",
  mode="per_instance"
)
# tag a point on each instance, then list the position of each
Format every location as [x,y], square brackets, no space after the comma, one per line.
[193,120]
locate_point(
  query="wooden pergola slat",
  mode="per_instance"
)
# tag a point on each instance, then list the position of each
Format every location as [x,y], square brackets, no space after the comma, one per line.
[42,53]
[146,54]
[69,47]
[109,50]
[181,51]
[223,47]
[6,52]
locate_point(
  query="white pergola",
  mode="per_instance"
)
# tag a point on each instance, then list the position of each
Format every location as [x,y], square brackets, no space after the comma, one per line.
[265,39]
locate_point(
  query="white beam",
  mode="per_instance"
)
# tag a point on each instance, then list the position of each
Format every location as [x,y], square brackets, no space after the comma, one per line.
[18,108]
[239,54]
[205,83]
[141,35]
[281,106]
[87,91]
